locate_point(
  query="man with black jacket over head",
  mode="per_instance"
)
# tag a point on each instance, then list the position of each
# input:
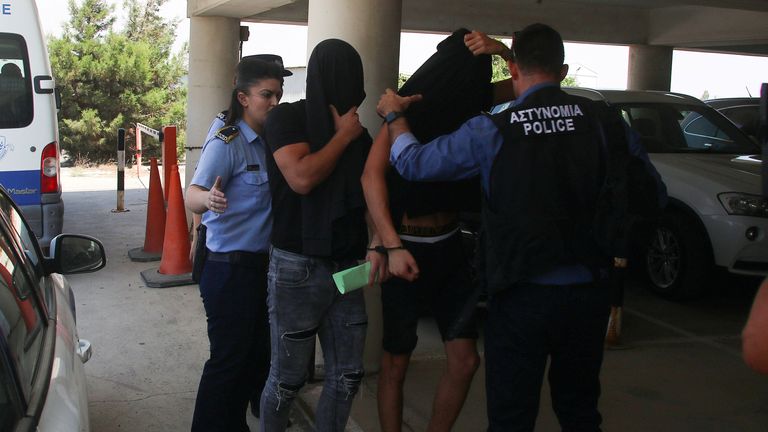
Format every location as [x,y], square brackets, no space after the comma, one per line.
[541,164]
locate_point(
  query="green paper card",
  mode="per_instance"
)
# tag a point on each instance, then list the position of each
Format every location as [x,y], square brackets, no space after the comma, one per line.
[352,278]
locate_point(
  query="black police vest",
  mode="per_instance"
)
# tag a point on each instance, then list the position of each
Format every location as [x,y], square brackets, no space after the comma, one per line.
[544,186]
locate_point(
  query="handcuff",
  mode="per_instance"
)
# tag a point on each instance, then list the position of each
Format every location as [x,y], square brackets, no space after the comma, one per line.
[380,249]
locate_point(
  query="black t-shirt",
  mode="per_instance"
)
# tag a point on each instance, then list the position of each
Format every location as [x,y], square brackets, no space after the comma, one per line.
[287,124]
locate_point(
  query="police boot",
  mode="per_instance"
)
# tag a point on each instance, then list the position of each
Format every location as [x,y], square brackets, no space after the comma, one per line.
[613,333]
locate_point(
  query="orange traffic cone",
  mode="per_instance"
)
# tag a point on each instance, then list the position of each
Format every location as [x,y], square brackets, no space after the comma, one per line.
[175,267]
[176,245]
[154,232]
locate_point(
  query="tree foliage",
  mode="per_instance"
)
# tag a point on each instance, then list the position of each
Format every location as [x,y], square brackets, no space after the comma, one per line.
[113,79]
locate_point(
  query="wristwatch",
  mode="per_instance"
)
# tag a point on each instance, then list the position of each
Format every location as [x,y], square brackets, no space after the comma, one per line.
[392,116]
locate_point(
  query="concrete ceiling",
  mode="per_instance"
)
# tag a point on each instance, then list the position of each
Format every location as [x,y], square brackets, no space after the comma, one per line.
[731,26]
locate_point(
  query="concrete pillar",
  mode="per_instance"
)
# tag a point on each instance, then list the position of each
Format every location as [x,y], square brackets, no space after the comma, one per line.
[650,67]
[373,28]
[213,55]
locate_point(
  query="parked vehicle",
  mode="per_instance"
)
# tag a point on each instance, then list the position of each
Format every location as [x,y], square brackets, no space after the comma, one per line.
[29,147]
[42,381]
[716,214]
[743,112]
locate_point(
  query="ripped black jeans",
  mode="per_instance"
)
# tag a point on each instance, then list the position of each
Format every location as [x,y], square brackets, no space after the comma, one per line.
[303,302]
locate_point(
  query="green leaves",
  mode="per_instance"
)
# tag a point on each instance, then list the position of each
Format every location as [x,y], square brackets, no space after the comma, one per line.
[111,79]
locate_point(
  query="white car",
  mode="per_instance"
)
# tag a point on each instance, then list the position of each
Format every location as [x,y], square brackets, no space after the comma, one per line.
[716,213]
[42,381]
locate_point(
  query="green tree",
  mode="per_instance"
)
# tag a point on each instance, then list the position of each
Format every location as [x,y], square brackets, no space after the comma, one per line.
[500,71]
[570,81]
[111,79]
[401,79]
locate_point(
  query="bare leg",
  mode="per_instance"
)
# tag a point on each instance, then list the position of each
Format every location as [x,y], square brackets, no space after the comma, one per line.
[453,387]
[390,394]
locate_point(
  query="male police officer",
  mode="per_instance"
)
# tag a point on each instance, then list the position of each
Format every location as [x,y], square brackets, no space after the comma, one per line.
[541,165]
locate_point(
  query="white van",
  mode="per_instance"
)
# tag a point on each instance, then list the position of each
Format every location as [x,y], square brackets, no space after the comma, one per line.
[29,137]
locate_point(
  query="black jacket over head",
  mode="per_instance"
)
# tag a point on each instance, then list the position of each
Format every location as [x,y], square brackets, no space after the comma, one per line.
[455,86]
[334,77]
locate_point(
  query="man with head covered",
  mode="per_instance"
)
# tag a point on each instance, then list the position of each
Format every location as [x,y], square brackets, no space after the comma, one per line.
[318,148]
[541,166]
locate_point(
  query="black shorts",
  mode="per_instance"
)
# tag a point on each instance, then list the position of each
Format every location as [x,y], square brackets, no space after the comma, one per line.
[444,286]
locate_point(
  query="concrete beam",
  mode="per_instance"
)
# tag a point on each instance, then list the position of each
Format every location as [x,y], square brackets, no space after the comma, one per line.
[232,8]
[707,27]
[734,26]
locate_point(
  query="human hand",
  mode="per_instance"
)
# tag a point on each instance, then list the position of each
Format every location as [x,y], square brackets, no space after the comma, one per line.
[403,265]
[217,200]
[391,101]
[481,43]
[378,267]
[348,124]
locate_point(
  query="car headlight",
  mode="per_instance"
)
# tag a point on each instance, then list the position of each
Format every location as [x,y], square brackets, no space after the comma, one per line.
[742,204]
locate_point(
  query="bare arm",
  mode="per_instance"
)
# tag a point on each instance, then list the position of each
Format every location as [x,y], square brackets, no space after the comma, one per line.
[375,189]
[303,169]
[200,199]
[755,334]
[378,261]
[401,262]
[480,43]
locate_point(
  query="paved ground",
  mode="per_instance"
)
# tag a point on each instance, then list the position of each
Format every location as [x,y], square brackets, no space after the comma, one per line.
[680,369]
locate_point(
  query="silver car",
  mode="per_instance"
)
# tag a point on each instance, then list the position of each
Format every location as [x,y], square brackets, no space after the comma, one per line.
[42,381]
[716,213]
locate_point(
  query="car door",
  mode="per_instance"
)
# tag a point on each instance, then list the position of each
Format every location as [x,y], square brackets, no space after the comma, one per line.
[24,328]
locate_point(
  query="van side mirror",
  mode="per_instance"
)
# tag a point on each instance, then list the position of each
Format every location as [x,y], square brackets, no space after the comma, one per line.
[57,97]
[74,253]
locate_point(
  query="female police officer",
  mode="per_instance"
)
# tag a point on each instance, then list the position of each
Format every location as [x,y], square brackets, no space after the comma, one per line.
[231,182]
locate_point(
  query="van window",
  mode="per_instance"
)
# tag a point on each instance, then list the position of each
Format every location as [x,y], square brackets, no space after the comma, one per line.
[15,82]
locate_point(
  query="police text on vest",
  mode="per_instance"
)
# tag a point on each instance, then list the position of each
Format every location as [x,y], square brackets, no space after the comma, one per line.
[547,120]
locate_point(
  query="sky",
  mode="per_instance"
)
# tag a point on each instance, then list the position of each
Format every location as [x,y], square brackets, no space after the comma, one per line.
[596,66]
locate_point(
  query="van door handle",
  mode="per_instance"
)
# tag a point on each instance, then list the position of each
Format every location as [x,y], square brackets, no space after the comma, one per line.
[44,84]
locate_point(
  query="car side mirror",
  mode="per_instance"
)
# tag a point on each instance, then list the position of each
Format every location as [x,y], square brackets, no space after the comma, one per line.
[74,253]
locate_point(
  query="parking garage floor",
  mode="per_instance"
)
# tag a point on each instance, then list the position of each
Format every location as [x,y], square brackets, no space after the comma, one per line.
[679,369]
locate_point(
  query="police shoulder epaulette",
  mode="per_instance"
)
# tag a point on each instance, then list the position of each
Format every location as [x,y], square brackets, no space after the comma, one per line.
[227,133]
[222,115]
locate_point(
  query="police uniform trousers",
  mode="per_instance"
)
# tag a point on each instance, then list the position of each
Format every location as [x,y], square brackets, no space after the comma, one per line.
[529,324]
[234,297]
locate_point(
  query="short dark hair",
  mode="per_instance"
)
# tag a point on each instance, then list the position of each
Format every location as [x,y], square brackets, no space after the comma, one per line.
[538,47]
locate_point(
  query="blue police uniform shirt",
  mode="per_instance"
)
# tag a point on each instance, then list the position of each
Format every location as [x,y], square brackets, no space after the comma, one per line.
[216,124]
[471,150]
[246,224]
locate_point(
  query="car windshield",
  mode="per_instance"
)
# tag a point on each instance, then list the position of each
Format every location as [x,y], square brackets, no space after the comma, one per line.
[680,128]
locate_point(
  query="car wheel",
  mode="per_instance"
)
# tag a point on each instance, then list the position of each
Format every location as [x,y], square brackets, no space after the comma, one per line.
[678,257]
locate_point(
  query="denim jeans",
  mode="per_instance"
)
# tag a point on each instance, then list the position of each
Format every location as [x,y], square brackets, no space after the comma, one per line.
[303,302]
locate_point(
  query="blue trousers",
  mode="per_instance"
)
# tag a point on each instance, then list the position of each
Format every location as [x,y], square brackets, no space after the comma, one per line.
[234,297]
[304,303]
[529,324]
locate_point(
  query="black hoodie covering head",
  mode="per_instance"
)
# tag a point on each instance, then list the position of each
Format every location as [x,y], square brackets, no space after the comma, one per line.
[455,85]
[334,210]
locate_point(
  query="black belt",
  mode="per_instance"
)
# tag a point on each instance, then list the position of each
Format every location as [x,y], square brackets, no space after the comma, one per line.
[248,259]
